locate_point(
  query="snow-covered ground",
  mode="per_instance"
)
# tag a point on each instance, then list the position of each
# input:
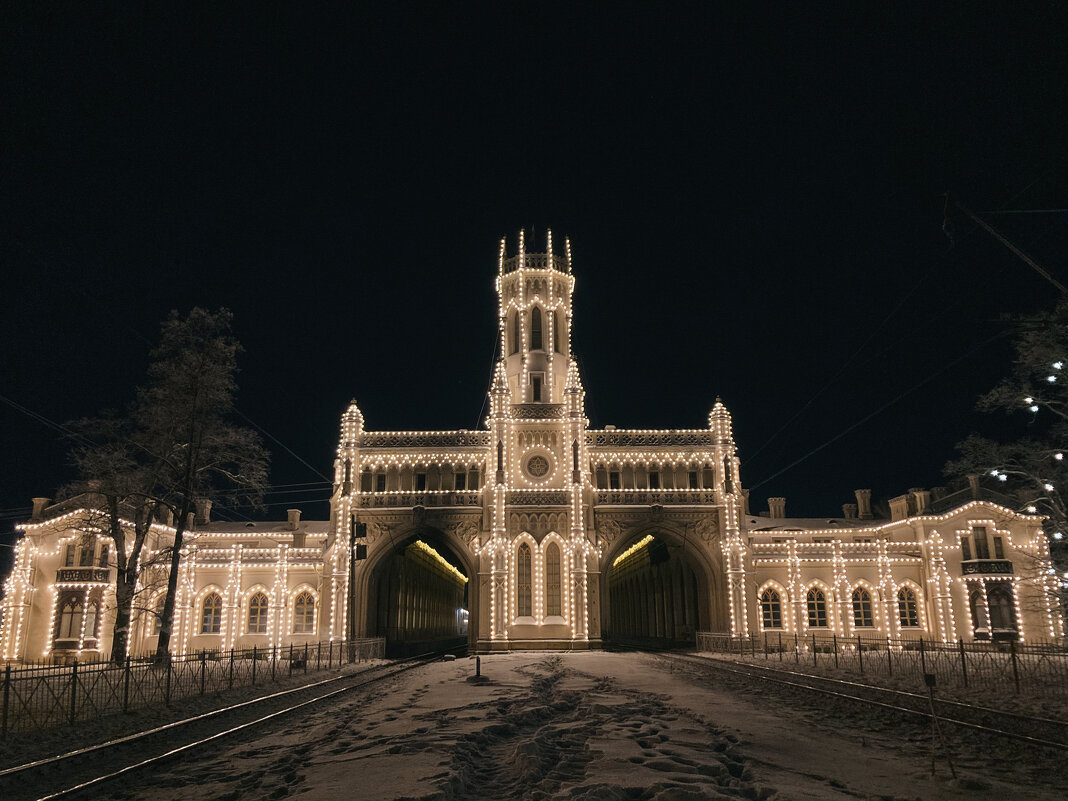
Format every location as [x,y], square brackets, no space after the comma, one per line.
[589,725]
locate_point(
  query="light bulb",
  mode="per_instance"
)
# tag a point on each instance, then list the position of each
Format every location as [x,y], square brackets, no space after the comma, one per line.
[1051,378]
[993,472]
[1032,509]
[1057,535]
[1058,365]
[1034,408]
[1029,399]
[1002,477]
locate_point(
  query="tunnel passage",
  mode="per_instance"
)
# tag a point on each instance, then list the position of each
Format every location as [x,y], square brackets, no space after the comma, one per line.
[653,596]
[421,595]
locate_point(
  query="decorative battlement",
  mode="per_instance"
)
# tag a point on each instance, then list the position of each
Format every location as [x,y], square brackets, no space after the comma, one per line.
[535,261]
[640,438]
[424,439]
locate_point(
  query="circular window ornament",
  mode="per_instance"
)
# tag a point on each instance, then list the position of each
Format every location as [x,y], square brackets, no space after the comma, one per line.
[537,466]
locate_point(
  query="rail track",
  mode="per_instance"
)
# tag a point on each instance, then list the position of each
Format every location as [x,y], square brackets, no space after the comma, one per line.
[1042,732]
[75,772]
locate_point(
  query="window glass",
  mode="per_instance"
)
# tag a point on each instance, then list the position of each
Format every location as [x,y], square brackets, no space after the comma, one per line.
[965,549]
[380,482]
[613,479]
[460,482]
[535,388]
[535,329]
[817,609]
[556,332]
[103,556]
[1002,613]
[862,612]
[86,558]
[472,480]
[552,579]
[257,614]
[515,332]
[69,560]
[907,608]
[771,609]
[365,481]
[982,550]
[304,614]
[654,479]
[693,479]
[999,549]
[523,605]
[211,617]
[420,482]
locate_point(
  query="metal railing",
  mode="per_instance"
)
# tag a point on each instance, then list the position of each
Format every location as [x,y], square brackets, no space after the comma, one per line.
[1039,667]
[35,698]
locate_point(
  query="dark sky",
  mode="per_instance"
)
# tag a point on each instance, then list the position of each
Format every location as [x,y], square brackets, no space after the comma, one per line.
[754,200]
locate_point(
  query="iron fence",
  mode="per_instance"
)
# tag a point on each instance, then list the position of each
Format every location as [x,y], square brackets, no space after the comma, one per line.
[35,698]
[998,666]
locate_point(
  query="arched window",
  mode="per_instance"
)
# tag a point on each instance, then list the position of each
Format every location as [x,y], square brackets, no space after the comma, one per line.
[1002,610]
[257,614]
[817,609]
[552,579]
[556,332]
[977,603]
[211,614]
[304,614]
[91,618]
[771,607]
[522,569]
[535,328]
[70,620]
[728,477]
[862,615]
[157,616]
[907,609]
[515,332]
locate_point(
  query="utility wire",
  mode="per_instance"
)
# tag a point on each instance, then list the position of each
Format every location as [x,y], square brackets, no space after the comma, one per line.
[882,408]
[281,444]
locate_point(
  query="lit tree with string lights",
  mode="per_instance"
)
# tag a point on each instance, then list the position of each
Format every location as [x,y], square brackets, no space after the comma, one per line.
[1033,468]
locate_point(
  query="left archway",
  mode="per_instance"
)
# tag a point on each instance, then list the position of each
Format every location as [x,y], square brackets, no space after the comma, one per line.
[418,594]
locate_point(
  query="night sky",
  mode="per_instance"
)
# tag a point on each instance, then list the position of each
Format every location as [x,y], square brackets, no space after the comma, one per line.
[754,200]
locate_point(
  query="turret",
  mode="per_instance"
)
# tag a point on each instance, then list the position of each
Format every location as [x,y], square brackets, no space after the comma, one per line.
[351,428]
[534,292]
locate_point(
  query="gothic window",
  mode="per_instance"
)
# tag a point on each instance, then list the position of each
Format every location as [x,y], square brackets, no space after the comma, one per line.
[575,455]
[91,617]
[460,481]
[982,549]
[420,482]
[257,614]
[69,560]
[500,455]
[552,579]
[380,482]
[862,611]
[613,480]
[70,620]
[535,387]
[304,614]
[817,609]
[366,481]
[999,548]
[211,614]
[771,608]
[515,332]
[535,329]
[523,595]
[1002,613]
[602,478]
[977,604]
[965,549]
[692,478]
[103,561]
[654,479]
[472,480]
[556,332]
[157,616]
[348,472]
[728,479]
[907,608]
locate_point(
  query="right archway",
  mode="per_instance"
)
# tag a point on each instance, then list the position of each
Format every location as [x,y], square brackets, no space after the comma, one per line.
[657,592]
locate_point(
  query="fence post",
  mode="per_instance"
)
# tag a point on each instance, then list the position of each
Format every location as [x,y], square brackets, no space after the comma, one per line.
[126,687]
[752,642]
[963,663]
[813,649]
[167,690]
[203,670]
[7,699]
[274,660]
[73,690]
[765,646]
[305,657]
[1015,668]
[923,657]
[889,659]
[797,650]
[860,655]
[834,638]
[318,654]
[780,646]
[330,656]
[253,665]
[291,659]
[231,669]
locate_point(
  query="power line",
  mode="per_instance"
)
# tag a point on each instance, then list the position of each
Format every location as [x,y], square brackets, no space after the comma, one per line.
[882,408]
[281,444]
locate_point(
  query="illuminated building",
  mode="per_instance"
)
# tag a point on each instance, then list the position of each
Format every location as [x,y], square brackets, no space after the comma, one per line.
[540,532]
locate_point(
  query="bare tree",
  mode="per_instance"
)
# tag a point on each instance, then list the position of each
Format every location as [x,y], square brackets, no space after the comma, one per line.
[174,446]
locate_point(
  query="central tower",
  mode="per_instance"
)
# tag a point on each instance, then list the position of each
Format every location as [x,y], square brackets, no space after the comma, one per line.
[534,293]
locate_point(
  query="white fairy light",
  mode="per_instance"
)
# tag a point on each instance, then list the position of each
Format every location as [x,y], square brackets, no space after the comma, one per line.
[1032,509]
[1002,477]
[1029,399]
[1048,486]
[1034,408]
[1058,365]
[1051,378]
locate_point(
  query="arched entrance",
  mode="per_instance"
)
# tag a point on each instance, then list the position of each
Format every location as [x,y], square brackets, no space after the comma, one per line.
[657,591]
[418,595]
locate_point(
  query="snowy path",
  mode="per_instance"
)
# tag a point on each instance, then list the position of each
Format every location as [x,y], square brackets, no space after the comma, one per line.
[578,726]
